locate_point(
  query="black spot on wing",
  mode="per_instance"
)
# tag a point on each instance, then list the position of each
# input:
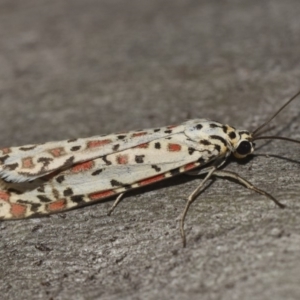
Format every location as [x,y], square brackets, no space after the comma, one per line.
[156,168]
[75,148]
[191,150]
[68,192]
[4,158]
[225,128]
[60,178]
[97,172]
[232,135]
[45,161]
[11,167]
[114,182]
[168,131]
[116,147]
[139,159]
[219,138]
[205,142]
[79,199]
[121,137]
[202,161]
[157,145]
[33,206]
[217,147]
[106,161]
[199,126]
[157,130]
[44,199]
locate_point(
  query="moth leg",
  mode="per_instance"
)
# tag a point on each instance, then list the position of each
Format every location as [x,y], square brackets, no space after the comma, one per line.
[196,172]
[117,201]
[190,200]
[247,184]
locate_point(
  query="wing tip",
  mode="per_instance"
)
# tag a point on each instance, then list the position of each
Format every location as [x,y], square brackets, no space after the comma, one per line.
[13,178]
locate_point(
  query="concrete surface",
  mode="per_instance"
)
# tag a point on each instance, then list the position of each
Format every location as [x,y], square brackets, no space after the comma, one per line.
[84,67]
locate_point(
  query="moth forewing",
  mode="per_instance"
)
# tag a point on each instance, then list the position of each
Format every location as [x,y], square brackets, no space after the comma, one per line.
[56,176]
[25,163]
[166,152]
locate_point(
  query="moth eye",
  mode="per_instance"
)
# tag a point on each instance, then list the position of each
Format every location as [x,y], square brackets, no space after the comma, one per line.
[244,148]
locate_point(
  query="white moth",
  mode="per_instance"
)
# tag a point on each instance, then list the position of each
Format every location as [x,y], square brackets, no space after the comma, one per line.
[41,179]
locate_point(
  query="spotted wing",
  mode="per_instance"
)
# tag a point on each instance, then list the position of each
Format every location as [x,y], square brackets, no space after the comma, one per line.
[103,177]
[26,163]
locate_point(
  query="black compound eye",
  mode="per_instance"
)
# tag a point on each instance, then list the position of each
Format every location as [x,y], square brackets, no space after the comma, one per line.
[244,148]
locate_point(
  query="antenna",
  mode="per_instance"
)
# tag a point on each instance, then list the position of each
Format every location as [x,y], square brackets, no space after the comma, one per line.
[270,119]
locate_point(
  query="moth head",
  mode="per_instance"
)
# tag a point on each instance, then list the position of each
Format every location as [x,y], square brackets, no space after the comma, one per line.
[242,145]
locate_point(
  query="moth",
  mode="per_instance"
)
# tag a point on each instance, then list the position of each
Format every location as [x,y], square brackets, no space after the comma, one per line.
[41,179]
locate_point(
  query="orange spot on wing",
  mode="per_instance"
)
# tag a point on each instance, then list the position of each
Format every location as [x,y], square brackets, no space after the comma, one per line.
[101,194]
[139,134]
[81,167]
[122,159]
[190,166]
[18,210]
[57,152]
[57,205]
[27,163]
[152,179]
[171,126]
[174,147]
[4,196]
[98,143]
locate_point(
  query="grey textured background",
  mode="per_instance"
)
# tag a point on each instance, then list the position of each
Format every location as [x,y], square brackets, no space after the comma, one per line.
[84,67]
